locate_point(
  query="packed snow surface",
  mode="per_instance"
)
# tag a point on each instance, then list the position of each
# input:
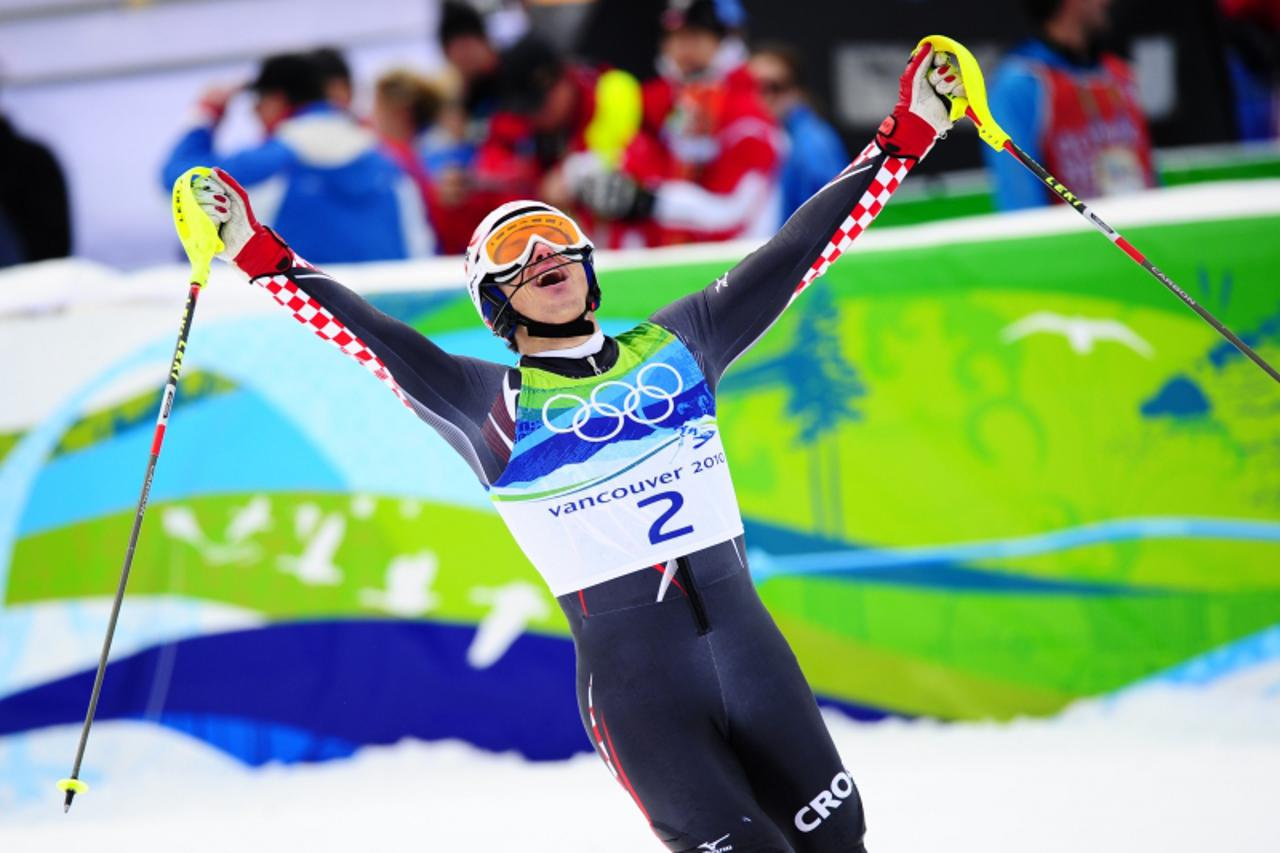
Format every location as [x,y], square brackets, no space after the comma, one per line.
[1167,767]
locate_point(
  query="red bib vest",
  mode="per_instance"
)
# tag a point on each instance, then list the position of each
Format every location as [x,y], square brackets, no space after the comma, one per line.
[1095,138]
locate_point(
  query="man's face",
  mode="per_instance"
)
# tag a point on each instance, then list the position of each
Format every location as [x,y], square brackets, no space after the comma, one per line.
[1094,15]
[691,49]
[337,91]
[391,118]
[271,109]
[557,107]
[555,289]
[773,82]
[472,56]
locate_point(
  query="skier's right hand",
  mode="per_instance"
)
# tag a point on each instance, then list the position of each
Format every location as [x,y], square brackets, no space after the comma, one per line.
[250,245]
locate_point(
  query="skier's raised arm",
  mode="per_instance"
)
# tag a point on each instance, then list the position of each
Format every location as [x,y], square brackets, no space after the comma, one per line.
[451,393]
[722,321]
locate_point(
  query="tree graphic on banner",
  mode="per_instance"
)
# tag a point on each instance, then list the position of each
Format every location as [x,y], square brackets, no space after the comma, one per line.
[822,392]
[824,388]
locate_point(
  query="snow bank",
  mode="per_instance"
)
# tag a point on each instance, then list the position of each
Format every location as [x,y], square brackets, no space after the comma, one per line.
[1161,767]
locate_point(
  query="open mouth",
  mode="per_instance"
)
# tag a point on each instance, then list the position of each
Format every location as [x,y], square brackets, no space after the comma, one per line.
[552,277]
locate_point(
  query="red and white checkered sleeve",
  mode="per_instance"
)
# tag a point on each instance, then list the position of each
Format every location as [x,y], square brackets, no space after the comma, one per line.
[888,177]
[451,394]
[309,312]
[726,318]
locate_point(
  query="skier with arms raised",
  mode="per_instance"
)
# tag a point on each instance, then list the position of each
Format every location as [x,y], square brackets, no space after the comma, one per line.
[603,456]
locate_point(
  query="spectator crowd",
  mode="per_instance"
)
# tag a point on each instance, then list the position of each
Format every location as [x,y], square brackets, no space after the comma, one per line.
[719,141]
[698,152]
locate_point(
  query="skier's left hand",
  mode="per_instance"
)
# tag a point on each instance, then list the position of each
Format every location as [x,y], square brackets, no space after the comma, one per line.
[923,111]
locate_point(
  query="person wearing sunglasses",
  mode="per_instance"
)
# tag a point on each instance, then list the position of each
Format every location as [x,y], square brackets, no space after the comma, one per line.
[603,456]
[815,153]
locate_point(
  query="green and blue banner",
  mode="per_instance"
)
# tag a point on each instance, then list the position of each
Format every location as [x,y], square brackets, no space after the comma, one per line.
[986,468]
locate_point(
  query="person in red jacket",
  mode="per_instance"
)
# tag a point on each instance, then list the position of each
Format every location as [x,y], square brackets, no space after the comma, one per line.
[705,164]
[545,106]
[554,116]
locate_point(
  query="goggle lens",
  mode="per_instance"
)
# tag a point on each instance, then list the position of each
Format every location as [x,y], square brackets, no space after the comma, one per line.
[510,242]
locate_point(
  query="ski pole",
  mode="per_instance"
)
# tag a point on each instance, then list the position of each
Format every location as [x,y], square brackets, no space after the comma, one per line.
[200,239]
[974,105]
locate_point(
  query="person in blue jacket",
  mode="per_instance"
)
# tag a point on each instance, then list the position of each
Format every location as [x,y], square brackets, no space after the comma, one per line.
[324,176]
[1070,105]
[815,154]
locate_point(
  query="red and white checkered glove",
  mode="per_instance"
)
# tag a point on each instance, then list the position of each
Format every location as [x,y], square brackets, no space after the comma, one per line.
[250,245]
[923,111]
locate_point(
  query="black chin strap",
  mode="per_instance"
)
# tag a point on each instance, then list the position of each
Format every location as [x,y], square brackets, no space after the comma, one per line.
[571,329]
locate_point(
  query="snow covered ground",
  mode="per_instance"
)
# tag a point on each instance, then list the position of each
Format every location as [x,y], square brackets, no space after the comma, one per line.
[1167,767]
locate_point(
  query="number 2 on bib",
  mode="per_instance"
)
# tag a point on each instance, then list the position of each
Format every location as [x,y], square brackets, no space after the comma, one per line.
[674,501]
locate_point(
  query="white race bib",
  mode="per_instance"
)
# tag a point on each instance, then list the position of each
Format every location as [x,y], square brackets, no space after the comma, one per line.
[613,473]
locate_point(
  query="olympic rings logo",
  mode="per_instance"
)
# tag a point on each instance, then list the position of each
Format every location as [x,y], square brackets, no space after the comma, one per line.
[642,393]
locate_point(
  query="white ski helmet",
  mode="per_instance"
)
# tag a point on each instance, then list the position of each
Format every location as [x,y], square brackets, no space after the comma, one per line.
[503,243]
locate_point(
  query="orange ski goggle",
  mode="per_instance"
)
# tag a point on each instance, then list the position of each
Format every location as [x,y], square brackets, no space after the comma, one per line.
[510,246]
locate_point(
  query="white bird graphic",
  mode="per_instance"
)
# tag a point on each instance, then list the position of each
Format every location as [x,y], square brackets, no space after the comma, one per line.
[362,506]
[249,520]
[514,605]
[314,567]
[408,592]
[180,523]
[1081,332]
[305,519]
